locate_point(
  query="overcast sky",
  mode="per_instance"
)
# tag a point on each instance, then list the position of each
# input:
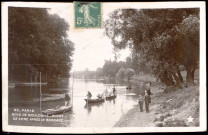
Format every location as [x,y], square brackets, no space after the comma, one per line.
[92,46]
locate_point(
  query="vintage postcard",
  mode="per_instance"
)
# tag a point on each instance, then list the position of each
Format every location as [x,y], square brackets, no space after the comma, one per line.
[102,67]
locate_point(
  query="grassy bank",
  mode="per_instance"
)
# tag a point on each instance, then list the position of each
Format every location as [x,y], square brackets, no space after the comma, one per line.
[170,107]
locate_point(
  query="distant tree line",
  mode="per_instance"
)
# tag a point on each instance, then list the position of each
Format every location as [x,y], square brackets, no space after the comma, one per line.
[85,74]
[38,42]
[111,70]
[160,40]
[120,71]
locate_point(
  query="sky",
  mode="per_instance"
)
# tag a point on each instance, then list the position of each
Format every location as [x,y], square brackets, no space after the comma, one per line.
[92,46]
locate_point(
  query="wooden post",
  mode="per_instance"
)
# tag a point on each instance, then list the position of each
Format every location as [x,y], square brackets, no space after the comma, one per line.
[72,89]
[40,92]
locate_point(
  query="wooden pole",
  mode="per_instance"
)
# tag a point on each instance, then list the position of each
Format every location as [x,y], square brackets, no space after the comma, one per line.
[40,92]
[86,88]
[72,89]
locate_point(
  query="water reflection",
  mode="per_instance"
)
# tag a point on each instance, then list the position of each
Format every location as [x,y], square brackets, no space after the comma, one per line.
[112,101]
[103,114]
[89,107]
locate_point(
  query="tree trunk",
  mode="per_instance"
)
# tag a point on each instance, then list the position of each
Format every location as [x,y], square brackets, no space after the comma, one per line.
[31,77]
[36,76]
[166,79]
[178,81]
[46,76]
[179,74]
[192,73]
[26,73]
[189,79]
[128,79]
[178,78]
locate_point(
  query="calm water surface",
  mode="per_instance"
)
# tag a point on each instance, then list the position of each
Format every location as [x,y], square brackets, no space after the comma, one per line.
[104,114]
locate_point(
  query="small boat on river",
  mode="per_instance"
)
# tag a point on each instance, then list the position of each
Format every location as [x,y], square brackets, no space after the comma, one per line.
[57,110]
[129,87]
[47,99]
[111,97]
[12,85]
[97,100]
[31,84]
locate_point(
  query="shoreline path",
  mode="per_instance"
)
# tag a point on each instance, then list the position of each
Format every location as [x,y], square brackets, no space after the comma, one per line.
[135,118]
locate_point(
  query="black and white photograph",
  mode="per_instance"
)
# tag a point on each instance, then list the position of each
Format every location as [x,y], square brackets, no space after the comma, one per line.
[102,67]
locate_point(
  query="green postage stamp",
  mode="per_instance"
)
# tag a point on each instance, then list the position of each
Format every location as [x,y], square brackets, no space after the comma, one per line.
[87,14]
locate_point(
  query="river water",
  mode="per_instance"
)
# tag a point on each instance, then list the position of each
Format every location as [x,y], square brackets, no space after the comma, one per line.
[104,114]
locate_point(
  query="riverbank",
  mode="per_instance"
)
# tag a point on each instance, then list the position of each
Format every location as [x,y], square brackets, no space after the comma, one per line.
[171,108]
[135,118]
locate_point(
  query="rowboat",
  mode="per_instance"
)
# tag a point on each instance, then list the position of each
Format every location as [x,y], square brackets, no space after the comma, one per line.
[31,84]
[46,99]
[97,100]
[11,85]
[128,87]
[57,110]
[110,97]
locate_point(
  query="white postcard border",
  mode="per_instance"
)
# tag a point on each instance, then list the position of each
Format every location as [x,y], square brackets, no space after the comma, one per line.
[36,129]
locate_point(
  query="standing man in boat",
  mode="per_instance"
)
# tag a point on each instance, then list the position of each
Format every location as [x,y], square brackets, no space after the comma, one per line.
[67,99]
[106,92]
[89,95]
[114,90]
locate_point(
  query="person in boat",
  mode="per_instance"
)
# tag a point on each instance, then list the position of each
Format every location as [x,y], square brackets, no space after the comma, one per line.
[109,90]
[141,103]
[129,86]
[67,99]
[106,93]
[147,100]
[99,96]
[89,95]
[114,91]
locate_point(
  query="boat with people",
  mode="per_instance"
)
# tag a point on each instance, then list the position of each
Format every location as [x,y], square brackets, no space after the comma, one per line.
[129,87]
[99,98]
[96,100]
[112,94]
[111,97]
[57,110]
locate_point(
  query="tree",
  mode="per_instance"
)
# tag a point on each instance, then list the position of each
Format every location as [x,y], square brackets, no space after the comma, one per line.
[155,35]
[38,43]
[128,62]
[188,37]
[99,73]
[120,75]
[129,73]
[111,68]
